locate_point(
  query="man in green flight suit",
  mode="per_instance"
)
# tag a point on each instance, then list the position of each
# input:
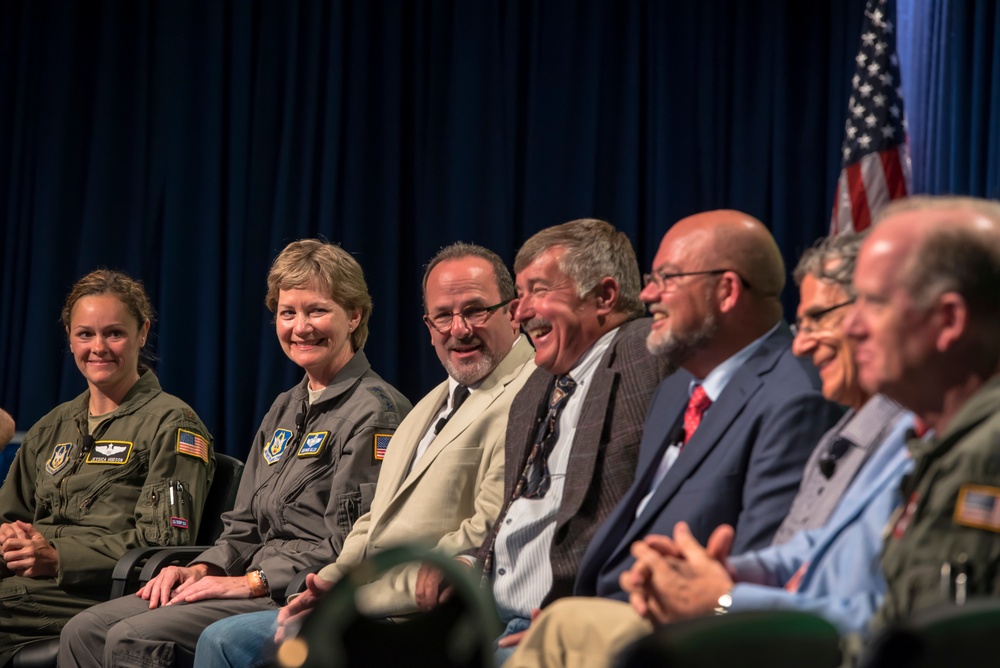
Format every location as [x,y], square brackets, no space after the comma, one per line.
[927,326]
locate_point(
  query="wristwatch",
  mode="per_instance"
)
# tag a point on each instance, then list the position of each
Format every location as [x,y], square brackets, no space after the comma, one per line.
[258,583]
[723,604]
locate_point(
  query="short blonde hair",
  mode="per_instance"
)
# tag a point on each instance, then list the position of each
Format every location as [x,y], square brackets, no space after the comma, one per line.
[314,263]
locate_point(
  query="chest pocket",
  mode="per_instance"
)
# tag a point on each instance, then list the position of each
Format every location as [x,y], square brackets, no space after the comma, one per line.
[110,489]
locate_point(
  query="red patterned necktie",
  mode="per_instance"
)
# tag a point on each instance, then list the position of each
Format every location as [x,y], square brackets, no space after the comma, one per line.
[697,405]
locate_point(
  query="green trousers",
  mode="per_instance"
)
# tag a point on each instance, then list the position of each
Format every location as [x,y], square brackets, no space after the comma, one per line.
[32,609]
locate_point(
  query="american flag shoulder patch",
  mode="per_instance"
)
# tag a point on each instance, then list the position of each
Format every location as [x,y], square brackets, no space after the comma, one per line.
[192,444]
[381,445]
[978,506]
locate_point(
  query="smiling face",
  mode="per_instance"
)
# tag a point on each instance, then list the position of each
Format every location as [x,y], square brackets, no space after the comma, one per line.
[468,352]
[105,340]
[684,315]
[561,324]
[315,333]
[822,339]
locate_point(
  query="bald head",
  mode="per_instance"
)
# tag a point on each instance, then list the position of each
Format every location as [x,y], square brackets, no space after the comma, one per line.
[927,319]
[735,240]
[719,280]
[728,239]
[944,244]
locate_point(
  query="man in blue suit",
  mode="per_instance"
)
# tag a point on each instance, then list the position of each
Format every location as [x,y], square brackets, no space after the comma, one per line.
[727,436]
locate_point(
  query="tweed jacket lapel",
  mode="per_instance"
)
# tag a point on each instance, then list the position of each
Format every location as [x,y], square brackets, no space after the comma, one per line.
[587,441]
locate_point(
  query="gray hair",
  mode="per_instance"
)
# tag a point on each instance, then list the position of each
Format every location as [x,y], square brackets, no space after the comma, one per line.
[832,259]
[594,250]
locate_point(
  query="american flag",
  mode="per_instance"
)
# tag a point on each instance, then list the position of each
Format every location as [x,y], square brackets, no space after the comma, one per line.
[190,443]
[875,156]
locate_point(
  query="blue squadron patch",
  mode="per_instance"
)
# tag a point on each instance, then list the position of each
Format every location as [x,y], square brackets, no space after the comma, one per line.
[380,394]
[276,446]
[381,445]
[109,452]
[313,443]
[59,458]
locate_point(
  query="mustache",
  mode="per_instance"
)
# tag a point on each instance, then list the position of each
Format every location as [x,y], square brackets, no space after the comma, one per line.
[658,308]
[472,340]
[535,323]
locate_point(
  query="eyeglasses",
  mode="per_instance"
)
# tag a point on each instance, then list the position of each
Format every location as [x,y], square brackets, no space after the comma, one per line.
[809,324]
[662,279]
[471,316]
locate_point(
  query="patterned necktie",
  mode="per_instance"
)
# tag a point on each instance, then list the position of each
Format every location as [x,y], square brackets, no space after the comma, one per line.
[461,394]
[535,479]
[697,405]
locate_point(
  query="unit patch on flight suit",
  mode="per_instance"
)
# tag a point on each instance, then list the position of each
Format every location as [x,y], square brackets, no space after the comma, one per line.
[109,452]
[313,443]
[59,458]
[276,446]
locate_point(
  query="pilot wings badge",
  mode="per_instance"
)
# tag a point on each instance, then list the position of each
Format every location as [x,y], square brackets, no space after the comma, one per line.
[109,452]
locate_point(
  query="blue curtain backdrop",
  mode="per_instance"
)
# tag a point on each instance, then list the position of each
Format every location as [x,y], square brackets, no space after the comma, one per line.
[954,102]
[187,141]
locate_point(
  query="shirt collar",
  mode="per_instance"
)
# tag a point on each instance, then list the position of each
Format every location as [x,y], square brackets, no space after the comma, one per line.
[717,379]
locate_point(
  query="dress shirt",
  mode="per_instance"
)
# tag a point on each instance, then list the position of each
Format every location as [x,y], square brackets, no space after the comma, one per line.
[714,383]
[429,435]
[522,573]
[863,431]
[841,574]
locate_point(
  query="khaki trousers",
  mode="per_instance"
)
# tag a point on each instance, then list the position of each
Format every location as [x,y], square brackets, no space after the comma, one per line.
[579,633]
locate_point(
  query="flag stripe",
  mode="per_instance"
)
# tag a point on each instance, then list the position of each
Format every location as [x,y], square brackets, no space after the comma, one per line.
[859,200]
[893,169]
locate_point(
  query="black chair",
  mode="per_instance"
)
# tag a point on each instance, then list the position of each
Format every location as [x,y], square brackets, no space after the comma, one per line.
[758,639]
[457,634]
[131,570]
[956,635]
[127,576]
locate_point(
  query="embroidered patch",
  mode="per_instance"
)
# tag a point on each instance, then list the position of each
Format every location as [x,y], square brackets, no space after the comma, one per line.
[59,458]
[193,444]
[276,446]
[978,506]
[380,394]
[313,443]
[179,522]
[109,452]
[381,445]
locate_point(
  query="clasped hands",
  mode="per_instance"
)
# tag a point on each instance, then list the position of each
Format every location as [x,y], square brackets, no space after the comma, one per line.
[676,578]
[27,552]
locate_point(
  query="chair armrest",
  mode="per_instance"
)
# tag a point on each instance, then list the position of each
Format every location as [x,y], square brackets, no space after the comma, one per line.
[167,556]
[126,571]
[298,581]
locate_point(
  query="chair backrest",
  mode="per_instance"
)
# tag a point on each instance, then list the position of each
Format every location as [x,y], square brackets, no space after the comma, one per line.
[458,633]
[946,635]
[759,639]
[221,497]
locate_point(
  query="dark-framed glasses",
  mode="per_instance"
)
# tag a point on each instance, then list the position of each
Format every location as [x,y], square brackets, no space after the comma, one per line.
[662,279]
[471,316]
[811,323]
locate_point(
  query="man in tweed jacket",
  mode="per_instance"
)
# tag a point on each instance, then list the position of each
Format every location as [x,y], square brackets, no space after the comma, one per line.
[578,288]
